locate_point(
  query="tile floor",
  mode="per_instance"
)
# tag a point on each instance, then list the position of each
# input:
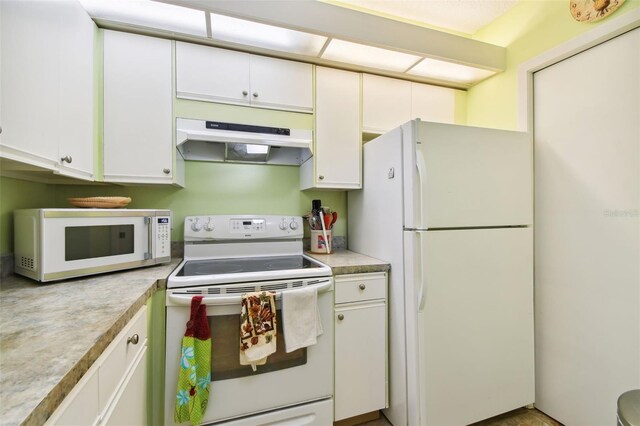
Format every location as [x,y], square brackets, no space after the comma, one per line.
[519,417]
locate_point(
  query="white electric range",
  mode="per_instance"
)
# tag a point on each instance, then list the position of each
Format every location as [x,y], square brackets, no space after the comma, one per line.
[226,256]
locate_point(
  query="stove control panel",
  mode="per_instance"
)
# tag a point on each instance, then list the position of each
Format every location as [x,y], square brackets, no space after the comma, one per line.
[242,227]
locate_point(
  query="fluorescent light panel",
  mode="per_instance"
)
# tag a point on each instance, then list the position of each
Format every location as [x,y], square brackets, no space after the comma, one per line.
[368,56]
[149,14]
[241,31]
[449,71]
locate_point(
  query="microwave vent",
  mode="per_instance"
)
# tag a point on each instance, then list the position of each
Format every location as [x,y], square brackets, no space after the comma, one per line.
[27,263]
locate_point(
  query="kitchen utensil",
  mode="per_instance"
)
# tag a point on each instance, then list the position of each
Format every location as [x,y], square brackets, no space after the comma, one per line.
[327,219]
[334,218]
[324,232]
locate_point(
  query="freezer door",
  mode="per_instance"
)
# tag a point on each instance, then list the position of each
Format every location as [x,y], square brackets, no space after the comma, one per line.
[464,176]
[474,324]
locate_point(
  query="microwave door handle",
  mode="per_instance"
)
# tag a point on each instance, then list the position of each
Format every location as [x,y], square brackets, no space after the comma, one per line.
[148,220]
[181,299]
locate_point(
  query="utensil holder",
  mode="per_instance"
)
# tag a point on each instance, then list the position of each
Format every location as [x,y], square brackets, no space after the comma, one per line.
[318,244]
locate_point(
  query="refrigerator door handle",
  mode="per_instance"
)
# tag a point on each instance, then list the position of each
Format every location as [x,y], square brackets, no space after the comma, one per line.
[421,257]
[421,166]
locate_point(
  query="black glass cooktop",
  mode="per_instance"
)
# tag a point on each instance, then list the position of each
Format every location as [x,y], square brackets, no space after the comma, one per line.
[244,265]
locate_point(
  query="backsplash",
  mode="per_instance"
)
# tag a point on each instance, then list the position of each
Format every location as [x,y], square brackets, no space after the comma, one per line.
[211,188]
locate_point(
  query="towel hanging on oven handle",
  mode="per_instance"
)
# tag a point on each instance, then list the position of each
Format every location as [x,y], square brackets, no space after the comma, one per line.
[180,299]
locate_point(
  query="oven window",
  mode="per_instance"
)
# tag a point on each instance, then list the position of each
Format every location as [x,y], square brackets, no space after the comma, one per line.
[86,242]
[225,350]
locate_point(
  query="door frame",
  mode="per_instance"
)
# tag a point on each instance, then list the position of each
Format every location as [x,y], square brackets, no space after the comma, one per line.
[598,35]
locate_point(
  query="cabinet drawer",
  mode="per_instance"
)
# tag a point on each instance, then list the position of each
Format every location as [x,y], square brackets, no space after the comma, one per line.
[360,287]
[121,355]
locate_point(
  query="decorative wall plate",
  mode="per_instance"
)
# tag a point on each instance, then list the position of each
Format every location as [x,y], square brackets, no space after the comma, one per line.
[592,10]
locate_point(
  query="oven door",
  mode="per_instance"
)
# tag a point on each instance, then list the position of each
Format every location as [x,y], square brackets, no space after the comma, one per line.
[287,379]
[81,245]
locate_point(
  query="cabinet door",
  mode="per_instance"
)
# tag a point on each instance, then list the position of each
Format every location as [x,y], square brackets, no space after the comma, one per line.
[30,76]
[386,103]
[432,103]
[129,407]
[76,92]
[138,139]
[360,359]
[280,84]
[211,74]
[338,144]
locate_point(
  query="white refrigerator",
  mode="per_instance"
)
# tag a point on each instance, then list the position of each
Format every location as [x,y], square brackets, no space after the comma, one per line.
[450,208]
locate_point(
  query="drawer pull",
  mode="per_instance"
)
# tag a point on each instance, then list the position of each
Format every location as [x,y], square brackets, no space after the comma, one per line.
[133,339]
[362,286]
[340,317]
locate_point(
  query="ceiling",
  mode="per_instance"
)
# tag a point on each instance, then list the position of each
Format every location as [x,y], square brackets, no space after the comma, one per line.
[350,36]
[462,16]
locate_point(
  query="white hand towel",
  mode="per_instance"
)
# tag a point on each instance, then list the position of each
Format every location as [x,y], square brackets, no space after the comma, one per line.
[300,318]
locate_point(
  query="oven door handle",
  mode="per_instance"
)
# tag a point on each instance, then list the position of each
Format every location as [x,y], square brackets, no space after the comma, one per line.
[183,299]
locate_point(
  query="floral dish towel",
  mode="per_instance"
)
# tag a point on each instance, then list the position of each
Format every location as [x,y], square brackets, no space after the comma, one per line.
[194,377]
[257,328]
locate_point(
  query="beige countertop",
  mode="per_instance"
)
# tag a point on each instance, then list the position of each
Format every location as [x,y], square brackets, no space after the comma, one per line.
[348,262]
[50,334]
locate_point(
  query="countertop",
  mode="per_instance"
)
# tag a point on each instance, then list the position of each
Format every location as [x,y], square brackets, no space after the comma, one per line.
[50,334]
[348,262]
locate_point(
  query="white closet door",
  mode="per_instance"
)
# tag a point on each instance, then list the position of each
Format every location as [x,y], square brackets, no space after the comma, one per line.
[587,231]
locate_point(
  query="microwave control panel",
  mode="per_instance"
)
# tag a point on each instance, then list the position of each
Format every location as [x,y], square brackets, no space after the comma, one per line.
[163,236]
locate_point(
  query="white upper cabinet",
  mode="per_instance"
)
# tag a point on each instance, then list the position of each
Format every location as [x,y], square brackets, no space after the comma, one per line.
[386,103]
[219,75]
[48,86]
[389,102]
[433,103]
[337,158]
[138,115]
[281,84]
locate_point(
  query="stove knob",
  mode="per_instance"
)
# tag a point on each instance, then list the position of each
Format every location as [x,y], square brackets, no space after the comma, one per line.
[208,226]
[293,225]
[283,224]
[196,226]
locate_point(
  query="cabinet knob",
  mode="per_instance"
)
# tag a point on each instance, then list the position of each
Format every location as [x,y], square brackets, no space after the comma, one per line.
[362,286]
[166,171]
[245,93]
[133,339]
[340,317]
[66,159]
[321,177]
[255,94]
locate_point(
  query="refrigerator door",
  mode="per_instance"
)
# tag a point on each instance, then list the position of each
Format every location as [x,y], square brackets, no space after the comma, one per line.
[461,176]
[473,301]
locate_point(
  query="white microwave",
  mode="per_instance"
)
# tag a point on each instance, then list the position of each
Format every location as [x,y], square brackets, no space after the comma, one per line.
[53,244]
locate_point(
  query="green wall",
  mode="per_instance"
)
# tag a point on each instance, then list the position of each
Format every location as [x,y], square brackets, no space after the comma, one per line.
[527,30]
[211,188]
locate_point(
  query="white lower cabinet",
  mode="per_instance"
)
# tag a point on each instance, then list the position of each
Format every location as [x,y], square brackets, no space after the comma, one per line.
[114,389]
[360,316]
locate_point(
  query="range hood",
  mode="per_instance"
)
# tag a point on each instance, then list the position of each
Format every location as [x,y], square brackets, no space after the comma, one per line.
[203,140]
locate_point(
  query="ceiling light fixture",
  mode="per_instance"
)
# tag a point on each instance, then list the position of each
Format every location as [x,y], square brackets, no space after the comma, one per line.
[151,14]
[368,56]
[449,71]
[241,31]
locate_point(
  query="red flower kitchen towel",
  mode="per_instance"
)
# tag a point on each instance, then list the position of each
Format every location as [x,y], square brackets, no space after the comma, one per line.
[257,328]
